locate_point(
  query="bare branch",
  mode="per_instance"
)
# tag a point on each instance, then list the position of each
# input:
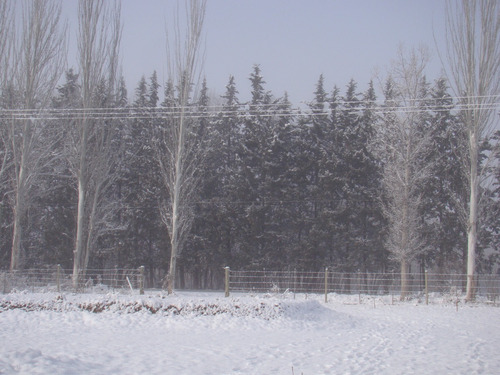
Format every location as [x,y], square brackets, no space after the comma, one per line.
[473,68]
[177,150]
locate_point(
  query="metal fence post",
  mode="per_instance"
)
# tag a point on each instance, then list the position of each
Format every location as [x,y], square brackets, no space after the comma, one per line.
[226,282]
[326,284]
[58,278]
[141,280]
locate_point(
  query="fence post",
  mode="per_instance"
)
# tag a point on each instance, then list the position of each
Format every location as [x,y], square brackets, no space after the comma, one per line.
[5,282]
[141,280]
[326,284]
[58,278]
[115,277]
[426,289]
[226,281]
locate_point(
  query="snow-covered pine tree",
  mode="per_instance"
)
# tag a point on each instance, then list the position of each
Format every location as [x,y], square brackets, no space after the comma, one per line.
[143,241]
[252,153]
[284,209]
[321,163]
[225,139]
[446,190]
[154,87]
[202,256]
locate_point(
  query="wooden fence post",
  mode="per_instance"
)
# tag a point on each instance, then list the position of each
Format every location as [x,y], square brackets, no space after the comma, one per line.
[226,281]
[115,277]
[58,278]
[326,284]
[426,289]
[141,280]
[5,282]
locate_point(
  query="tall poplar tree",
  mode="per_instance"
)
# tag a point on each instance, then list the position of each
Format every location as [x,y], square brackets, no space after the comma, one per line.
[39,66]
[473,68]
[92,156]
[177,153]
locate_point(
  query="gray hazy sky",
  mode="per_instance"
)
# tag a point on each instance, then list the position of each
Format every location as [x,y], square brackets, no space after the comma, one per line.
[294,41]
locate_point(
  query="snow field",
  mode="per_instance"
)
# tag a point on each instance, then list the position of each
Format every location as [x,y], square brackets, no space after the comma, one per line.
[263,334]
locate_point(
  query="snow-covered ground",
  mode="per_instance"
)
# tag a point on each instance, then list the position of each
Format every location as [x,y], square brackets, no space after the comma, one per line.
[205,333]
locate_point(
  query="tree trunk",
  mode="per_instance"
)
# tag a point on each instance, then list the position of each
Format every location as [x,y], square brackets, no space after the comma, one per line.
[404,279]
[15,259]
[171,275]
[16,238]
[20,195]
[78,252]
[175,238]
[472,222]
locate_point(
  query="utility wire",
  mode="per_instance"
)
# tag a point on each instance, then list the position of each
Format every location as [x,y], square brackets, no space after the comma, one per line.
[161,114]
[246,110]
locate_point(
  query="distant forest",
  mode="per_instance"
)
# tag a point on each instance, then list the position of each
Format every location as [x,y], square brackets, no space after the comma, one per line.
[335,183]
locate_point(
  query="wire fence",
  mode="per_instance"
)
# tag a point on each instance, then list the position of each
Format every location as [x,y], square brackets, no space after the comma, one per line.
[120,280]
[56,279]
[358,283]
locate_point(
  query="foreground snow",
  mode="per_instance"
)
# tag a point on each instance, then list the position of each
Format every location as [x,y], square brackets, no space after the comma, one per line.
[202,333]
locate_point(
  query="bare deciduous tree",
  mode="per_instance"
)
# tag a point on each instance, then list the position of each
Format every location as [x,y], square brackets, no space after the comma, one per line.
[6,40]
[402,143]
[93,157]
[473,68]
[39,65]
[6,46]
[178,153]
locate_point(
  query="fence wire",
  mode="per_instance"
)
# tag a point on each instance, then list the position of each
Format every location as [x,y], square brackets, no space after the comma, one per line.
[359,283]
[56,279]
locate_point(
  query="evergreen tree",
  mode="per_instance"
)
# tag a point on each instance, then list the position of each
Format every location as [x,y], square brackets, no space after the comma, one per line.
[446,189]
[206,254]
[226,139]
[154,86]
[141,95]
[252,153]
[68,94]
[372,225]
[494,208]
[122,94]
[284,210]
[144,241]
[321,160]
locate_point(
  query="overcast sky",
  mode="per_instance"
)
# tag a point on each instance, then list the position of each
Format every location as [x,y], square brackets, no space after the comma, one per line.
[294,41]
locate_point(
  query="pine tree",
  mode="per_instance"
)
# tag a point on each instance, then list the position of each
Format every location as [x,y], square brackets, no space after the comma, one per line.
[284,210]
[226,139]
[154,86]
[251,154]
[144,241]
[374,256]
[200,257]
[141,95]
[321,160]
[122,94]
[445,191]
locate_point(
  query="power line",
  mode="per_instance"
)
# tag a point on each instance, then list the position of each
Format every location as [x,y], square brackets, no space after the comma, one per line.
[244,111]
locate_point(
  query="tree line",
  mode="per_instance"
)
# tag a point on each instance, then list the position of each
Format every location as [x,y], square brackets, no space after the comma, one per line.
[173,178]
